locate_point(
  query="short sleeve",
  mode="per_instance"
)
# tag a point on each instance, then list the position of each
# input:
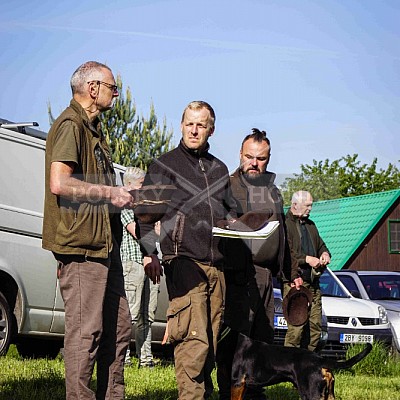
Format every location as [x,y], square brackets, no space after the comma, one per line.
[66,145]
[127,217]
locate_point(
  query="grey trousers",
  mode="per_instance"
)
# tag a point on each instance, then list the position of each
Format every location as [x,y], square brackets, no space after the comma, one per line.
[97,325]
[142,296]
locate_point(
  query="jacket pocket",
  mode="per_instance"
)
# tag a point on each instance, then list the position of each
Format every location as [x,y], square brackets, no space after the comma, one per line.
[179,316]
[83,228]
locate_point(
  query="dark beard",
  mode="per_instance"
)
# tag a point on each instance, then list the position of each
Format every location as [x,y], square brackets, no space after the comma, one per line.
[251,177]
[254,179]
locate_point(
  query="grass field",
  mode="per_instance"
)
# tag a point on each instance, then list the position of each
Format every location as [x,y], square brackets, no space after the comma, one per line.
[375,378]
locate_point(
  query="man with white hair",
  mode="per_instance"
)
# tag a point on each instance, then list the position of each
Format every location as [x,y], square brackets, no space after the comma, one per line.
[312,256]
[141,292]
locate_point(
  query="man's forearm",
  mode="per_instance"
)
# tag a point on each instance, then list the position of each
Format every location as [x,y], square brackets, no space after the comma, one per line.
[64,184]
[79,191]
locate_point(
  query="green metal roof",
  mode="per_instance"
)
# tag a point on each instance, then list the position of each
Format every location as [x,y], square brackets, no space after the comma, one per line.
[345,223]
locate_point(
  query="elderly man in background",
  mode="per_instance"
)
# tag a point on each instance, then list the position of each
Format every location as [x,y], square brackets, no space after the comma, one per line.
[312,256]
[142,294]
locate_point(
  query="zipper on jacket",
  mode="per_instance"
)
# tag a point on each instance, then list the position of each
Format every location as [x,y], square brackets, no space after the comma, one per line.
[209,203]
[177,233]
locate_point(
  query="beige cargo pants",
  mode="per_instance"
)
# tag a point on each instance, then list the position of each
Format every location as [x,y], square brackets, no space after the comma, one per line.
[194,321]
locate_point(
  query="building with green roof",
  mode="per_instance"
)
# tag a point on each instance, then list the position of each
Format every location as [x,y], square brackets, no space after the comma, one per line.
[361,232]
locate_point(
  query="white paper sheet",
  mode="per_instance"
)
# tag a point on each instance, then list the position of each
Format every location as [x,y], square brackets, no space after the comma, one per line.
[262,233]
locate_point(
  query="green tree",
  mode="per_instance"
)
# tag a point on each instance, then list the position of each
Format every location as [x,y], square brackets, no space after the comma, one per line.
[344,177]
[134,141]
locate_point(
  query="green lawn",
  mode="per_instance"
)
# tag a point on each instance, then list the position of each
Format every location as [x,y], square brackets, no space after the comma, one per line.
[375,378]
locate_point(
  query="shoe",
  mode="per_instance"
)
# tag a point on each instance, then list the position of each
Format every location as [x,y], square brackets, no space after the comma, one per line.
[149,364]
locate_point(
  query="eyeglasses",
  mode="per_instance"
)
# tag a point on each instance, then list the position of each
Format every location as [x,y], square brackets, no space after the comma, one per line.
[113,88]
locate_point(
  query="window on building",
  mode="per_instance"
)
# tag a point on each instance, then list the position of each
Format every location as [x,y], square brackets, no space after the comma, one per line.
[394,236]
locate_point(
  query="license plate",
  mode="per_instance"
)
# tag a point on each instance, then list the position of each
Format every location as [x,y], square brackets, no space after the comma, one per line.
[280,322]
[356,338]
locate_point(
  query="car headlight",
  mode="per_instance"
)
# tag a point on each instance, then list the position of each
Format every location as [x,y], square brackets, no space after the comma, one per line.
[383,318]
[324,336]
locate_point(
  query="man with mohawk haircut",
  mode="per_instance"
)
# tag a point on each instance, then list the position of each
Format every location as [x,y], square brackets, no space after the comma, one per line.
[250,264]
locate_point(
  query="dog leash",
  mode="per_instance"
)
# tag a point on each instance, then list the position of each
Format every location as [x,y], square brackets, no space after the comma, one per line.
[224,334]
[259,306]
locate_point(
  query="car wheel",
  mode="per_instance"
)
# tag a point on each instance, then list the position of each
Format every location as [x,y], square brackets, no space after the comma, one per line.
[38,348]
[5,325]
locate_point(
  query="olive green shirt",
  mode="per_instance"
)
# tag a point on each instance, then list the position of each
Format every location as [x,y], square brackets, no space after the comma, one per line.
[72,227]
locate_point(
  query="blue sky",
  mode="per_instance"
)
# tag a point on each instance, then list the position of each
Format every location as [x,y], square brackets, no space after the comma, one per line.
[320,76]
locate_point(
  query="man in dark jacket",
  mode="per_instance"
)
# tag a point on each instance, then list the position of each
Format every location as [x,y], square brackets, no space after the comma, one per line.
[250,264]
[192,259]
[312,256]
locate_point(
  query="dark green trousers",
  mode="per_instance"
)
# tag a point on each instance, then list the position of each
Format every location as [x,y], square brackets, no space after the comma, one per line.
[307,335]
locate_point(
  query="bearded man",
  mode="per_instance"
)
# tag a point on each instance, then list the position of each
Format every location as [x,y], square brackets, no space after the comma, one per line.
[251,264]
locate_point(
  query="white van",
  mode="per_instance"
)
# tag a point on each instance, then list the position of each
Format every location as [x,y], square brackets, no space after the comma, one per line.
[31,307]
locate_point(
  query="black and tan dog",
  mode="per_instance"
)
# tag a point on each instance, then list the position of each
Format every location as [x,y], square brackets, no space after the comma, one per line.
[260,364]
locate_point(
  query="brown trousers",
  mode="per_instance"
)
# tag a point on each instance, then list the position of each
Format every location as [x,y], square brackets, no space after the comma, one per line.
[194,321]
[97,325]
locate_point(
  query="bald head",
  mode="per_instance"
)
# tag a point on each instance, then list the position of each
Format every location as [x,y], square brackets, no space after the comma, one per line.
[302,202]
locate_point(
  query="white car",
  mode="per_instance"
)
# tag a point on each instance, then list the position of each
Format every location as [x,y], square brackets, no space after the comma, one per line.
[349,320]
[381,287]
